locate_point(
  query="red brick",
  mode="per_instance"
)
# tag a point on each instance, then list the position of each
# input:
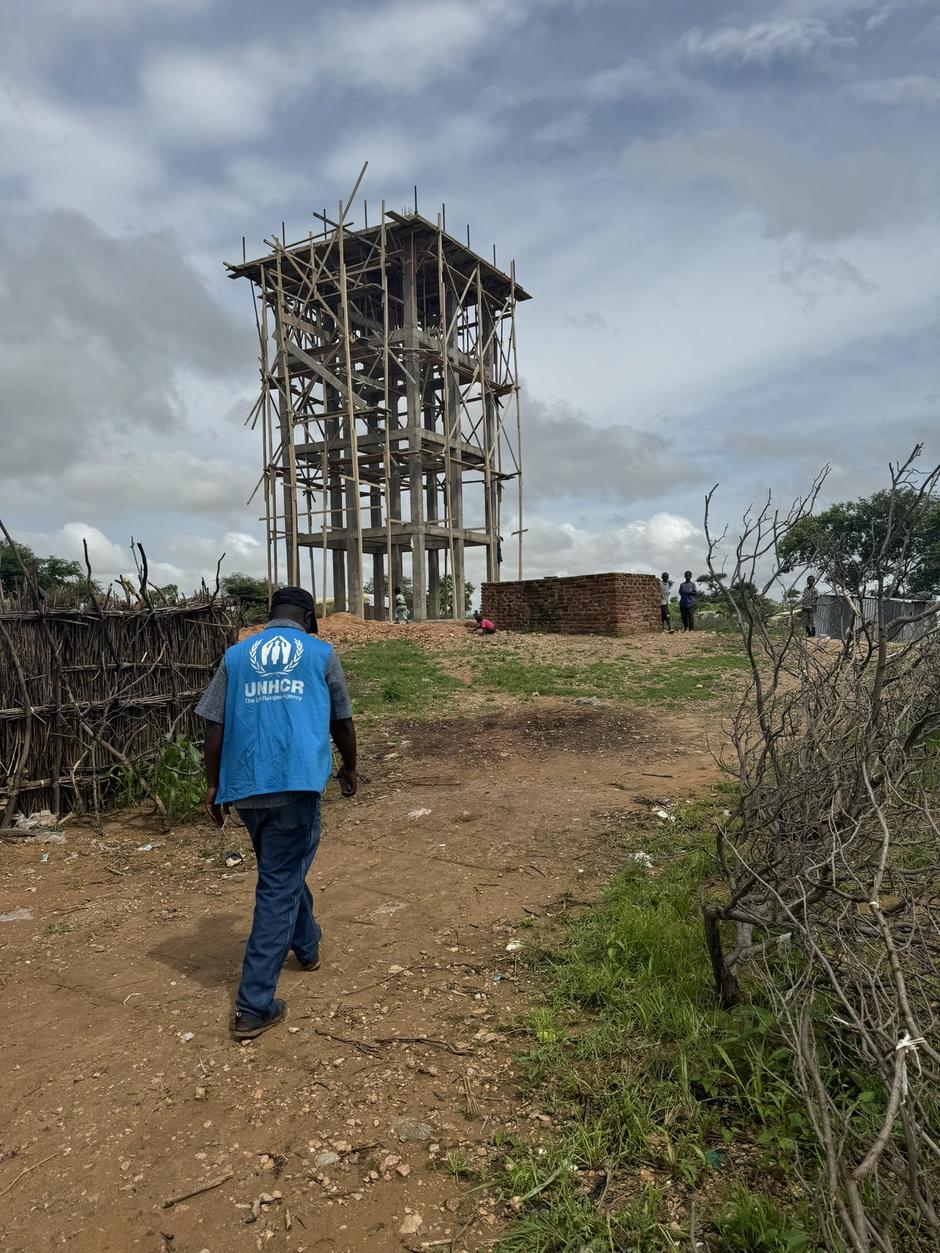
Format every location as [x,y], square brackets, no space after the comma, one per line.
[591,604]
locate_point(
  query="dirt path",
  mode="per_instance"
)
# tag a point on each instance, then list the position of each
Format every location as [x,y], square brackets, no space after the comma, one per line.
[117,991]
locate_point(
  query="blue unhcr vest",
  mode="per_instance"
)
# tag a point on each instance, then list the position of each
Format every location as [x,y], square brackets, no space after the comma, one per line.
[277,715]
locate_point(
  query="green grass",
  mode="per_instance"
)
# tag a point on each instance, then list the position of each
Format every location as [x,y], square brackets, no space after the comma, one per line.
[688,678]
[400,677]
[696,678]
[659,1098]
[397,677]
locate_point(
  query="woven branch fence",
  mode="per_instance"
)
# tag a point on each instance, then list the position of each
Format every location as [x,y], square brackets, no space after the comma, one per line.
[96,686]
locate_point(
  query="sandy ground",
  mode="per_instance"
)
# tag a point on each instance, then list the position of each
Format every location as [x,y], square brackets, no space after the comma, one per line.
[121,1088]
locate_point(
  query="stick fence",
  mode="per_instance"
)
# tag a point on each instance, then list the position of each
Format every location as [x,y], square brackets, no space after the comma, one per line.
[104,683]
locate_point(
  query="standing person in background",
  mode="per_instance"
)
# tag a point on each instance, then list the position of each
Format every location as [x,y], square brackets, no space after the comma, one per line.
[665,584]
[808,606]
[688,594]
[271,708]
[401,607]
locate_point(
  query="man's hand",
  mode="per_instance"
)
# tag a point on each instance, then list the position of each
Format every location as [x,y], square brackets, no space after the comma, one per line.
[348,781]
[344,737]
[216,816]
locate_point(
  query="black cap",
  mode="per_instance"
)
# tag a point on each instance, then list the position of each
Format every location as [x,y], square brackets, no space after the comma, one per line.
[298,597]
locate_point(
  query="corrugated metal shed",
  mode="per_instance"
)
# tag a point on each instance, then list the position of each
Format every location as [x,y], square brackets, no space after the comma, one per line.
[836,615]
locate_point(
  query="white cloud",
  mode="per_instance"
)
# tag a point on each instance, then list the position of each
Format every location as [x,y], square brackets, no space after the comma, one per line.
[764,43]
[100,334]
[392,148]
[62,156]
[231,93]
[664,273]
[407,44]
[116,11]
[568,455]
[160,477]
[631,79]
[914,91]
[200,98]
[108,560]
[664,541]
[242,551]
[196,556]
[794,189]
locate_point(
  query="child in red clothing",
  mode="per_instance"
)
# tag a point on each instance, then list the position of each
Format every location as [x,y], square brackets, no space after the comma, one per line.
[484,625]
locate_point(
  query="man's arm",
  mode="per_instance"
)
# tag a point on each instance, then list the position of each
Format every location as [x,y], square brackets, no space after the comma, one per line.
[341,725]
[212,709]
[212,760]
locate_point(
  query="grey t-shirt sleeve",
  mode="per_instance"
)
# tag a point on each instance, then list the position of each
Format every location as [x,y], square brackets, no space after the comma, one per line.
[212,705]
[340,704]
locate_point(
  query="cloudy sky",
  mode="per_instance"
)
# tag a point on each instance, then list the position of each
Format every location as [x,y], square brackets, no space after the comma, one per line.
[727,215]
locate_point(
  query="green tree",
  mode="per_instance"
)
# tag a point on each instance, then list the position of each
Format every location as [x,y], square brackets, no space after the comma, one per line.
[445,601]
[712,583]
[446,605]
[718,592]
[245,587]
[844,541]
[251,593]
[49,572]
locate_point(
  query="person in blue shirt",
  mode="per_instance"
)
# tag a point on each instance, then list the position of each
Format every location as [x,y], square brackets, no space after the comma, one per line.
[272,706]
[688,595]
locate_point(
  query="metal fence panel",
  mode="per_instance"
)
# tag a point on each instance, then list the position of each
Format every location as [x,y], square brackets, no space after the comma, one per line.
[835,617]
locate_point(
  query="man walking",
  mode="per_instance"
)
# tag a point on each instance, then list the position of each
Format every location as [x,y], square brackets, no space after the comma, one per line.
[664,585]
[688,594]
[808,606]
[271,708]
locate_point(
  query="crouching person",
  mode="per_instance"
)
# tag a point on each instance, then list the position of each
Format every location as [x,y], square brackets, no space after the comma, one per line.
[271,709]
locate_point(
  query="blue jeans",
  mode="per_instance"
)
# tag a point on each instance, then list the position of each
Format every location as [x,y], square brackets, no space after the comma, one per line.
[285,841]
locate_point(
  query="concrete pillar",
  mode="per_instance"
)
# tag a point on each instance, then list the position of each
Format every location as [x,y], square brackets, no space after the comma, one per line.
[337,555]
[376,521]
[431,508]
[456,467]
[353,568]
[415,448]
[378,584]
[490,485]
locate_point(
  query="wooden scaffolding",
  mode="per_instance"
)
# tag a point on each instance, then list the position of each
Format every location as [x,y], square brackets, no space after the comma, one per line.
[389,409]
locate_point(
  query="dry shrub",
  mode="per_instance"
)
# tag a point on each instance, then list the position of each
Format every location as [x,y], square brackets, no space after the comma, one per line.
[829,879]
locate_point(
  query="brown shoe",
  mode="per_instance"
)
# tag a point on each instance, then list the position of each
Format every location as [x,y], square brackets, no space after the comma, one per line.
[248,1026]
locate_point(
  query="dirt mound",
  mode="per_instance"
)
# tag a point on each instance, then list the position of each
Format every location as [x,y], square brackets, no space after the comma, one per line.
[345,628]
[544,726]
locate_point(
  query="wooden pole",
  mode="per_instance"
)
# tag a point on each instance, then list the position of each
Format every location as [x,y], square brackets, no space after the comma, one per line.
[487,405]
[446,324]
[267,437]
[515,383]
[415,438]
[354,585]
[288,457]
[387,461]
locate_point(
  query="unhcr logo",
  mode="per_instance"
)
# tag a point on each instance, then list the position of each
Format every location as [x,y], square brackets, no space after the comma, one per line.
[274,658]
[275,655]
